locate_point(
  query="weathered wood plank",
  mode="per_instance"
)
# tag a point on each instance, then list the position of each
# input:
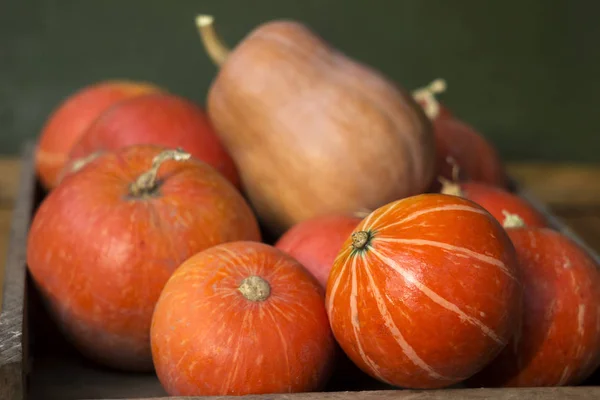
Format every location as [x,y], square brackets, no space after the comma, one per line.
[564,393]
[12,322]
[560,185]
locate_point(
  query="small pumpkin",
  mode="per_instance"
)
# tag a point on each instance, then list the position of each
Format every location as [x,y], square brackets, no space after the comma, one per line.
[312,131]
[316,242]
[241,318]
[71,118]
[104,242]
[458,143]
[503,205]
[162,119]
[558,343]
[401,298]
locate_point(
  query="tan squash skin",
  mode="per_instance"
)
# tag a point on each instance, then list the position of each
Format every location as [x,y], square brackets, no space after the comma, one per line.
[313,131]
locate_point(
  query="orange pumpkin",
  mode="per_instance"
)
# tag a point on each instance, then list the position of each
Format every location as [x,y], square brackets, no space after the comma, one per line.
[559,340]
[241,318]
[426,292]
[67,123]
[105,241]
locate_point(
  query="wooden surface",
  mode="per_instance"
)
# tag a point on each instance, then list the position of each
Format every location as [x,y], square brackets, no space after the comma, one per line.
[571,393]
[13,332]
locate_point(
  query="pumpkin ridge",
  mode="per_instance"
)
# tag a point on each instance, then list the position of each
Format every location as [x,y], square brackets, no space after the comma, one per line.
[336,284]
[355,323]
[436,298]
[448,247]
[396,333]
[416,214]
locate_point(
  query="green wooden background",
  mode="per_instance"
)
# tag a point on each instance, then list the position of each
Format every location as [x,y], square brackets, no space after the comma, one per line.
[524,72]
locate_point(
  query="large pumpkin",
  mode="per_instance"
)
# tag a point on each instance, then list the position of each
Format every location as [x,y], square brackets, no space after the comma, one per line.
[105,241]
[241,318]
[426,292]
[312,131]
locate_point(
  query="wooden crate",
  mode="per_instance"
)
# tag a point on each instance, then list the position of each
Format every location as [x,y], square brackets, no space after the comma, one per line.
[37,363]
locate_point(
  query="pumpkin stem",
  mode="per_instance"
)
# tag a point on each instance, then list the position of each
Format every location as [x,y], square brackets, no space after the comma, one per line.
[362,213]
[512,220]
[426,95]
[255,288]
[146,182]
[78,164]
[214,46]
[451,187]
[361,239]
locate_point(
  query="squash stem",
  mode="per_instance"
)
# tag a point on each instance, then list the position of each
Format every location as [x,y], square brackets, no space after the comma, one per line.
[214,46]
[254,288]
[512,220]
[145,184]
[427,95]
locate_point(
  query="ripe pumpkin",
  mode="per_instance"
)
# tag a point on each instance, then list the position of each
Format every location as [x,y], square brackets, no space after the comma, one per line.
[401,298]
[458,143]
[105,241]
[241,318]
[72,117]
[317,241]
[162,119]
[502,204]
[312,131]
[559,340]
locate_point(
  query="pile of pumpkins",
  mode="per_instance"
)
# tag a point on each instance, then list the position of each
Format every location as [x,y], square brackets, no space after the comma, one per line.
[315,215]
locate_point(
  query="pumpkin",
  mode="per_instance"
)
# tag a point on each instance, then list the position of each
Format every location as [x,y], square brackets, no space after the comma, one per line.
[241,318]
[312,131]
[425,292]
[317,241]
[162,119]
[458,143]
[503,205]
[105,241]
[72,117]
[559,340]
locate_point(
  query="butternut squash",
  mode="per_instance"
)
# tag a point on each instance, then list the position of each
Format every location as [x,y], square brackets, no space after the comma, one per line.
[311,130]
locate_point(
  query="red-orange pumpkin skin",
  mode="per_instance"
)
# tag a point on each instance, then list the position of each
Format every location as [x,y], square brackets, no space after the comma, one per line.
[317,241]
[209,339]
[476,157]
[100,257]
[427,293]
[559,342]
[72,117]
[162,119]
[498,202]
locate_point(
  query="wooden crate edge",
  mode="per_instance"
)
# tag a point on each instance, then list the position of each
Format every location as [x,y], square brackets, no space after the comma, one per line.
[13,349]
[537,393]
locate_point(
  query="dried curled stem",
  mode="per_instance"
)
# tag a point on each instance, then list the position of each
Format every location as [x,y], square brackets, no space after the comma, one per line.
[216,49]
[426,96]
[451,187]
[146,182]
[512,220]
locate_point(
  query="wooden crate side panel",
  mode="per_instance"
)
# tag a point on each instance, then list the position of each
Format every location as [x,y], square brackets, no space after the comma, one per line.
[13,341]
